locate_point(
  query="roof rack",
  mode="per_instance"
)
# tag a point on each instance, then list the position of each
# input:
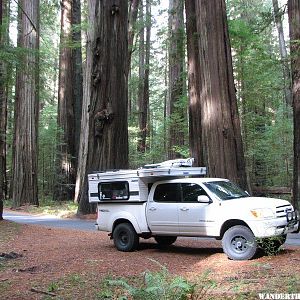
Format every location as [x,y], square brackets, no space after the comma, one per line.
[171,168]
[173,163]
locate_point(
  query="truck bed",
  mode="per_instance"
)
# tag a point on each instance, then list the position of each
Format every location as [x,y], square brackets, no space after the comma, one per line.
[135,212]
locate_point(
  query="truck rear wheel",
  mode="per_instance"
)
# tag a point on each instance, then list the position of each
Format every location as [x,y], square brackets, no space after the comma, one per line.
[165,241]
[239,243]
[125,237]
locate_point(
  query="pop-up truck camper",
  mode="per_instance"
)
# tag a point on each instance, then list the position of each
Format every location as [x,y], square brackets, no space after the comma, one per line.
[174,199]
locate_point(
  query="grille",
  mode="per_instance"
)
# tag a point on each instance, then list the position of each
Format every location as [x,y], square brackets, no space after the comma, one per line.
[282,210]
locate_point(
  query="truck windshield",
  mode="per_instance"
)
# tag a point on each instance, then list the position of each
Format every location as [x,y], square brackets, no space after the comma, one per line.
[225,190]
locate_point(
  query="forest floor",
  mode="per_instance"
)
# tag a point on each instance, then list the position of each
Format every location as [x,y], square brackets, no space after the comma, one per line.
[38,262]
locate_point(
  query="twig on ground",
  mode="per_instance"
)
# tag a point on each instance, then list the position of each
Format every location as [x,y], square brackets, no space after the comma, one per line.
[42,292]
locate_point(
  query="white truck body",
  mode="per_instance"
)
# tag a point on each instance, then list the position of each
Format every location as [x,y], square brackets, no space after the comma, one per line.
[162,201]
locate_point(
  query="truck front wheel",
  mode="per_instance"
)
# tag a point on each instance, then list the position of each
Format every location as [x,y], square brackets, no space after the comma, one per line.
[165,241]
[125,237]
[239,243]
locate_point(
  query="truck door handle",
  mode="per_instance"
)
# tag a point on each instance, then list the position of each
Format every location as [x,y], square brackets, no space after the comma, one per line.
[152,208]
[184,208]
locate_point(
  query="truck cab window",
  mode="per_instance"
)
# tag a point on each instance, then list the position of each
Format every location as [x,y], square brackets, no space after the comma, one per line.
[191,191]
[118,190]
[167,192]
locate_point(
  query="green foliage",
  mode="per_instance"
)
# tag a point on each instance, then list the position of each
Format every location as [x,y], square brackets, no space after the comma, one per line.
[51,207]
[76,279]
[154,153]
[53,286]
[156,285]
[293,284]
[266,121]
[48,133]
[271,246]
[156,144]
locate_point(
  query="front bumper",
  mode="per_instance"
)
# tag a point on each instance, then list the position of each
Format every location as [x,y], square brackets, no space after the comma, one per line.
[273,227]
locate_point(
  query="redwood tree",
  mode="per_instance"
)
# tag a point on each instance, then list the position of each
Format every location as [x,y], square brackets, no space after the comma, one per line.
[294,22]
[145,117]
[69,98]
[144,70]
[283,53]
[24,182]
[84,132]
[219,126]
[108,133]
[3,104]
[132,16]
[132,30]
[194,88]
[176,112]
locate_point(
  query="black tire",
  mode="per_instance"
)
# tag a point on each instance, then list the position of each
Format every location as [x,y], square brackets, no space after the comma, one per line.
[125,237]
[239,243]
[165,241]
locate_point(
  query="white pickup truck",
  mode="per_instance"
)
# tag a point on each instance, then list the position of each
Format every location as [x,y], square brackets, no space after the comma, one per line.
[165,202]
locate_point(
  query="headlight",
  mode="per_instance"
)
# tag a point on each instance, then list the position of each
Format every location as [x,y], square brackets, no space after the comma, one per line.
[263,213]
[292,215]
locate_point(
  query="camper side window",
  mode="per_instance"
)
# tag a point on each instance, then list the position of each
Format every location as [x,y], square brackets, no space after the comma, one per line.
[118,190]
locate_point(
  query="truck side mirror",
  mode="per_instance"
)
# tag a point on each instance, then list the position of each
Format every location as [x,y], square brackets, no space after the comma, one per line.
[203,199]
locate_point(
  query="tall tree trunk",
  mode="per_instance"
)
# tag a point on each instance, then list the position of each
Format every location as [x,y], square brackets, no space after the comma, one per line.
[84,133]
[141,101]
[294,21]
[283,55]
[69,99]
[77,73]
[221,133]
[176,80]
[144,79]
[132,16]
[25,188]
[65,115]
[108,131]
[259,162]
[166,95]
[3,103]
[195,129]
[147,73]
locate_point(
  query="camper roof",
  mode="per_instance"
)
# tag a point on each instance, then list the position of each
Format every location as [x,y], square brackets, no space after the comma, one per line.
[171,168]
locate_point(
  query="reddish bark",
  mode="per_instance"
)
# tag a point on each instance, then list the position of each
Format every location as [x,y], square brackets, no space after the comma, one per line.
[24,182]
[294,21]
[69,99]
[176,113]
[108,131]
[220,125]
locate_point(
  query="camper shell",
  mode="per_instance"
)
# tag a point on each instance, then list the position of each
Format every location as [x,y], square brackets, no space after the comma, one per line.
[116,186]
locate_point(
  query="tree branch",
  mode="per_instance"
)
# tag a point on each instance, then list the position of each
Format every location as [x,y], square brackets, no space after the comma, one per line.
[24,12]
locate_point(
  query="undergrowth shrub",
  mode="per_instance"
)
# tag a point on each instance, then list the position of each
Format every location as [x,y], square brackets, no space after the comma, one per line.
[271,246]
[159,285]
